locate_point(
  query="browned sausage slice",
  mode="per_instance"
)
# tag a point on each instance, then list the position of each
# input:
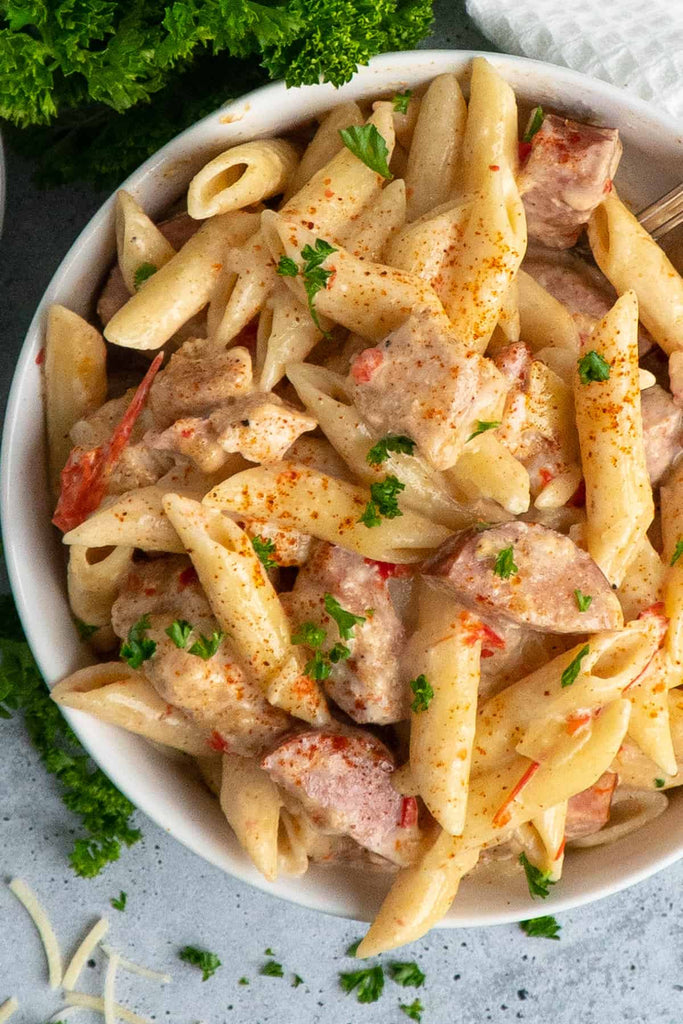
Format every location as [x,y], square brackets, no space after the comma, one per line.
[343,780]
[662,430]
[536,587]
[589,811]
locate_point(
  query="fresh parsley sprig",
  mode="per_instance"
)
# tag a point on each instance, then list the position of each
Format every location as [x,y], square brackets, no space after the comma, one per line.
[534,123]
[583,601]
[138,647]
[541,927]
[179,632]
[383,501]
[537,880]
[423,692]
[505,566]
[391,443]
[482,426]
[593,368]
[413,1010]
[369,145]
[265,549]
[401,101]
[346,621]
[313,275]
[368,983]
[272,969]
[574,667]
[208,963]
[119,902]
[206,646]
[407,973]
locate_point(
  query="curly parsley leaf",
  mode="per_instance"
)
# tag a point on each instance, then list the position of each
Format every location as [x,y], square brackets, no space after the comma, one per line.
[401,101]
[534,123]
[574,667]
[138,648]
[414,1010]
[369,145]
[206,646]
[505,563]
[593,368]
[583,601]
[265,549]
[482,426]
[391,443]
[678,551]
[407,973]
[339,653]
[368,983]
[272,969]
[142,273]
[345,620]
[315,276]
[318,667]
[310,634]
[208,963]
[537,880]
[541,927]
[423,693]
[119,902]
[87,792]
[383,501]
[287,267]
[179,632]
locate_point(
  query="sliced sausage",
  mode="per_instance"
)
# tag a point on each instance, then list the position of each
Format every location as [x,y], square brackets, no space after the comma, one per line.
[588,812]
[545,568]
[421,381]
[662,430]
[367,685]
[568,173]
[343,780]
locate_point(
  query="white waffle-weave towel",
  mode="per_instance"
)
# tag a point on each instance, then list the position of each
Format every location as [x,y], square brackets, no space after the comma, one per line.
[636,44]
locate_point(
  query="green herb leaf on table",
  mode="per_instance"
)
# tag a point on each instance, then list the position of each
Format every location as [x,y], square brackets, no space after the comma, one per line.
[119,902]
[505,563]
[482,426]
[574,667]
[142,273]
[206,646]
[179,632]
[537,880]
[269,952]
[138,648]
[423,692]
[401,101]
[407,973]
[368,984]
[678,551]
[353,948]
[265,549]
[244,981]
[534,123]
[345,620]
[583,601]
[391,443]
[272,969]
[208,963]
[593,368]
[541,927]
[369,145]
[297,980]
[413,1010]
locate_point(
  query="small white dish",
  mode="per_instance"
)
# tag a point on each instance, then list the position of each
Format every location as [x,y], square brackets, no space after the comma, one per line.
[652,164]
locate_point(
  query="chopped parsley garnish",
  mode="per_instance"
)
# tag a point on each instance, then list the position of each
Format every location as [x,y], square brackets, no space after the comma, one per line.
[407,974]
[244,981]
[583,601]
[368,983]
[318,668]
[297,980]
[401,101]
[383,501]
[269,952]
[574,667]
[287,267]
[119,902]
[272,969]
[592,367]
[534,123]
[537,880]
[85,631]
[365,142]
[314,276]
[678,551]
[423,693]
[86,791]
[482,426]
[414,1010]
[208,963]
[391,443]
[339,653]
[144,271]
[660,783]
[206,646]
[137,647]
[505,563]
[310,634]
[541,927]
[345,620]
[353,948]
[265,549]
[179,632]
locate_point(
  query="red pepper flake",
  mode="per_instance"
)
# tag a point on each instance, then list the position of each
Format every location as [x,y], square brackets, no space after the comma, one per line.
[187,432]
[40,358]
[389,570]
[560,849]
[477,630]
[546,476]
[188,577]
[608,187]
[408,812]
[365,364]
[575,722]
[329,194]
[217,743]
[494,167]
[503,815]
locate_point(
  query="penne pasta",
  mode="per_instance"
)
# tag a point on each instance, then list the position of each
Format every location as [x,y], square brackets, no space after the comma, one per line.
[251,803]
[434,158]
[241,176]
[139,242]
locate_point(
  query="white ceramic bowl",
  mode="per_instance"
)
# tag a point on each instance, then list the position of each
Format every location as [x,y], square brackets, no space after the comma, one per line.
[652,163]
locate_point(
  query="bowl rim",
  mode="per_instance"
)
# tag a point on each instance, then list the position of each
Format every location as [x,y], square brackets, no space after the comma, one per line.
[396,63]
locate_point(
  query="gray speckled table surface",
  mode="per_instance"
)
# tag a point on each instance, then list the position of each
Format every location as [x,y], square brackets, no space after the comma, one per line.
[618,960]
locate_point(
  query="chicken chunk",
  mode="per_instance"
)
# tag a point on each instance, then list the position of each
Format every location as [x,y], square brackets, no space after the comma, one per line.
[662,430]
[423,382]
[343,780]
[199,377]
[528,574]
[216,693]
[568,172]
[368,684]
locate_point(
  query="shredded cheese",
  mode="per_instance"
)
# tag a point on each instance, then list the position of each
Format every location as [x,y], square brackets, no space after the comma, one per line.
[82,954]
[9,1007]
[42,923]
[97,1003]
[144,972]
[109,983]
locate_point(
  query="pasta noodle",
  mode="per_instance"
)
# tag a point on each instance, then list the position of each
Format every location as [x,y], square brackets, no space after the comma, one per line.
[240,177]
[138,240]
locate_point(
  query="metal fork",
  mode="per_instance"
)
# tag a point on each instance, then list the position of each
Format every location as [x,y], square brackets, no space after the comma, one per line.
[665,214]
